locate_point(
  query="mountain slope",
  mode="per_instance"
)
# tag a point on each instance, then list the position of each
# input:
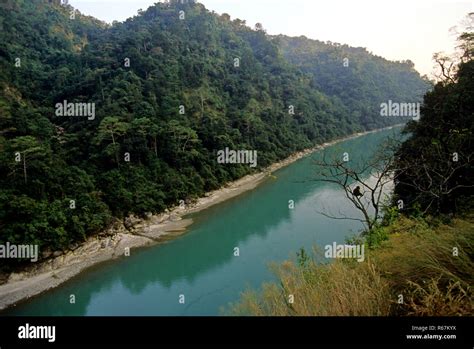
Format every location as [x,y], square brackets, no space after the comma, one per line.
[357,79]
[162,95]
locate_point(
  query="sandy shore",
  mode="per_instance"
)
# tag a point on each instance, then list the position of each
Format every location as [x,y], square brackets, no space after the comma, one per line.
[123,237]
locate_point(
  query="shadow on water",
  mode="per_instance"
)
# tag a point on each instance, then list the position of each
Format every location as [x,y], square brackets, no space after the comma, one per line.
[202,262]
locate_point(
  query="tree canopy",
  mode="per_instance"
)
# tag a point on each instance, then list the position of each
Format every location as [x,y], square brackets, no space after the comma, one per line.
[169,88]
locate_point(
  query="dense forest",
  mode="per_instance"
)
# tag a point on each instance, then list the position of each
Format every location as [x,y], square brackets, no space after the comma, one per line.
[166,90]
[367,79]
[435,164]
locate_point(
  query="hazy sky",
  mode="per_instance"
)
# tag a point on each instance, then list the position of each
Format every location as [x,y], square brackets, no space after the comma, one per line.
[396,30]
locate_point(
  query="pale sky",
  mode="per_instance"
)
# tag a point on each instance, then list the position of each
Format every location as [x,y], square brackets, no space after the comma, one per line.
[396,30]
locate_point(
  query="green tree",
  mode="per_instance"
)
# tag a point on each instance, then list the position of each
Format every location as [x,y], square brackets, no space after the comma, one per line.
[27,149]
[111,129]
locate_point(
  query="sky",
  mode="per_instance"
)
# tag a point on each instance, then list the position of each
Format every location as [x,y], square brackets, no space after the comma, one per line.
[396,30]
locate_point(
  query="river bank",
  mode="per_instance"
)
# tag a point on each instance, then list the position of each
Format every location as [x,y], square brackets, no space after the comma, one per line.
[129,234]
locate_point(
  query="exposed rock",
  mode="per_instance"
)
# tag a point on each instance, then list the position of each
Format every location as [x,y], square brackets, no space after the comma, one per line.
[46,254]
[175,218]
[71,259]
[91,247]
[16,277]
[131,221]
[128,223]
[164,218]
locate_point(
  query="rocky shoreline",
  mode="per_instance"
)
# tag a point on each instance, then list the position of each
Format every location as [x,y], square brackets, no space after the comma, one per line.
[123,236]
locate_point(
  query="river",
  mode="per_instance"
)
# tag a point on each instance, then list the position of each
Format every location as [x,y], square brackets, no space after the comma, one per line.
[201,265]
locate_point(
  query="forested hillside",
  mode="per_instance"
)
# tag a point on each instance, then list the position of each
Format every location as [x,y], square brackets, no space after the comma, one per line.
[356,79]
[169,88]
[443,141]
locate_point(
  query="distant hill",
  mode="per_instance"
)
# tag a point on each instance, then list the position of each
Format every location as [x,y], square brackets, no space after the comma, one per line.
[355,78]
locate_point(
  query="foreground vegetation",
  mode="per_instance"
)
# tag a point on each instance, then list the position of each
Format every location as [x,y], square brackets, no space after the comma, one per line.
[415,261]
[420,259]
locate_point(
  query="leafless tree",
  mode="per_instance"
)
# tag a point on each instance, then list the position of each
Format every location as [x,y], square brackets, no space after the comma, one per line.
[364,184]
[434,182]
[447,67]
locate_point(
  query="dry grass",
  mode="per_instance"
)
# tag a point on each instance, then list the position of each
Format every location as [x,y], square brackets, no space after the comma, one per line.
[340,288]
[434,299]
[417,262]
